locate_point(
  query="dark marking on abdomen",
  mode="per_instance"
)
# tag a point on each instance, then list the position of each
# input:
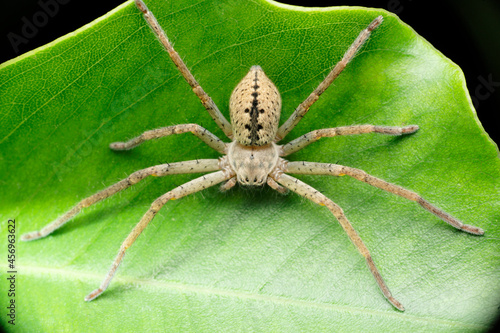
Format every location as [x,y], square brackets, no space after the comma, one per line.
[254,126]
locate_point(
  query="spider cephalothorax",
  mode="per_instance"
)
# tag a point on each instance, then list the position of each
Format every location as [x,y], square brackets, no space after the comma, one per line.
[253,157]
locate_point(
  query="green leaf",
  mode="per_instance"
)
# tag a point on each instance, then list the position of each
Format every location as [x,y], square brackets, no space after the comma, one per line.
[245,260]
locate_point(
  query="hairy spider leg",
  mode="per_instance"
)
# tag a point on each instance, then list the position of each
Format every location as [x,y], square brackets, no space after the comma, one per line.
[303,107]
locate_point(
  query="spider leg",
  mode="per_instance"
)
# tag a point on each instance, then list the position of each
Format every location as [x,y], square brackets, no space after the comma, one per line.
[202,133]
[275,186]
[313,168]
[207,102]
[315,196]
[306,139]
[192,186]
[228,185]
[339,67]
[206,165]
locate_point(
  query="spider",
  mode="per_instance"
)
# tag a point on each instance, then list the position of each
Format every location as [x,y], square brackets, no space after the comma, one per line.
[253,157]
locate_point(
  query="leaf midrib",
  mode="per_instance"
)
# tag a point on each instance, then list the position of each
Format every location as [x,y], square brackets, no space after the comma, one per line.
[238,294]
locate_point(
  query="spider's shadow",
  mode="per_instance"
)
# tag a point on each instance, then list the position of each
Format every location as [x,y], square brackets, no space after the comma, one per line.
[251,198]
[96,216]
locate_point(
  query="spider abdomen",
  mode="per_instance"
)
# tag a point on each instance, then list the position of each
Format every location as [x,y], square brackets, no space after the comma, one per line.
[255,107]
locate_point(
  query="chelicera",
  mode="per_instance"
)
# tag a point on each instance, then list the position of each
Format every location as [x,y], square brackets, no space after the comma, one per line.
[253,157]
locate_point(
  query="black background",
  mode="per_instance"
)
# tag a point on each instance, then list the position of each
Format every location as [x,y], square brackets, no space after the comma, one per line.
[465,31]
